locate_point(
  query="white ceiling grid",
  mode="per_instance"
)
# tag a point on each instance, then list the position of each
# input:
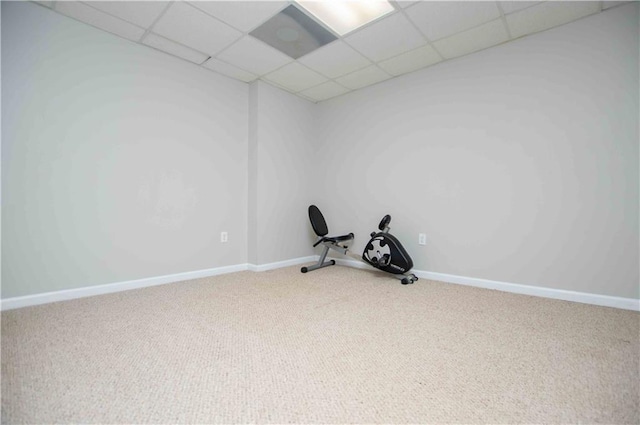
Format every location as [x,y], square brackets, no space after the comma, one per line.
[417,34]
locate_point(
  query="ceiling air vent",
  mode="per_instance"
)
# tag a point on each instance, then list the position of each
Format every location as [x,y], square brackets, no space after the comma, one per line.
[293,33]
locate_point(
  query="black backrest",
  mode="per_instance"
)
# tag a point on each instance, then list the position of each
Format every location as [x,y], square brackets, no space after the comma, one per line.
[317,221]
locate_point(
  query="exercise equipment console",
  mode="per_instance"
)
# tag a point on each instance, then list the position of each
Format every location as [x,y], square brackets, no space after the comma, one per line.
[383,251]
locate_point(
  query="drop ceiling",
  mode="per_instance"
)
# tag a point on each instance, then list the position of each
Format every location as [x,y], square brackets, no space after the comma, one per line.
[417,34]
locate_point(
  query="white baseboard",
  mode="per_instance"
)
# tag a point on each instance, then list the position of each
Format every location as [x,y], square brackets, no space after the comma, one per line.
[285,263]
[558,294]
[70,294]
[353,263]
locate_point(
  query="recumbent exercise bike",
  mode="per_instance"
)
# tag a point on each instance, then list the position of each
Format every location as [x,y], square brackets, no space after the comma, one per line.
[383,251]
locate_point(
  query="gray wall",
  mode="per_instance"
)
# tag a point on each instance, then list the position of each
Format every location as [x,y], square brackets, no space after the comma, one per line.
[118,162]
[282,147]
[520,162]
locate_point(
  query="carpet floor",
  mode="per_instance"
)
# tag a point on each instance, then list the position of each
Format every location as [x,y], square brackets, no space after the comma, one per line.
[337,345]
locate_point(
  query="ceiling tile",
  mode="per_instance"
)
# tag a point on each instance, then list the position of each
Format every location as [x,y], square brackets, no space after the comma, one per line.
[607,4]
[174,48]
[513,6]
[229,70]
[194,28]
[243,15]
[363,78]
[254,56]
[404,4]
[278,86]
[411,61]
[295,77]
[548,15]
[475,39]
[439,19]
[386,38]
[324,91]
[142,13]
[335,59]
[99,19]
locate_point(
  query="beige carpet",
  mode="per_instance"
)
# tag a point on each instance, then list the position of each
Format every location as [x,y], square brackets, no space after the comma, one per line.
[337,345]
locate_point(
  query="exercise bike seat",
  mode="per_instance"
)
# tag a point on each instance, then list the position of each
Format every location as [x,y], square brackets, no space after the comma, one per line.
[320,227]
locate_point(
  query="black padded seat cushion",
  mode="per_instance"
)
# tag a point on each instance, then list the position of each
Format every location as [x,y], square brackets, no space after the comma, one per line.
[339,238]
[334,239]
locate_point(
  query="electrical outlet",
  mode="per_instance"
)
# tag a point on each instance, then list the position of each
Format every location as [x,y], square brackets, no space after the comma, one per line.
[422,239]
[224,237]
